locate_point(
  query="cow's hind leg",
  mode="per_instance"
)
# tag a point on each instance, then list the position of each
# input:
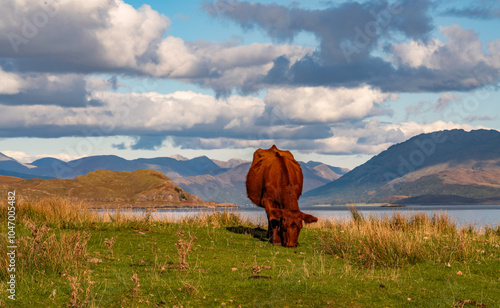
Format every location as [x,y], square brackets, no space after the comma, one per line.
[273,226]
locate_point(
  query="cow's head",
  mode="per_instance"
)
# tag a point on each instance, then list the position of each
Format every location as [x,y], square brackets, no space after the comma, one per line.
[290,223]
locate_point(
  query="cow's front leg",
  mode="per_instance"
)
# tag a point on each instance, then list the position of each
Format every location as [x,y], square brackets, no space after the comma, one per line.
[273,232]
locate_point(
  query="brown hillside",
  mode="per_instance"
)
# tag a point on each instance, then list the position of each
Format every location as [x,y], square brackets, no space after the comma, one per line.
[103,188]
[9,180]
[445,163]
[325,172]
[469,177]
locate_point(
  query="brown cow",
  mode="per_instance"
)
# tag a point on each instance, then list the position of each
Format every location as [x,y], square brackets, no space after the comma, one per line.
[274,182]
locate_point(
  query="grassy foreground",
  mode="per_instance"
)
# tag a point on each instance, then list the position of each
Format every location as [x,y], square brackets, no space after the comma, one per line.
[68,256]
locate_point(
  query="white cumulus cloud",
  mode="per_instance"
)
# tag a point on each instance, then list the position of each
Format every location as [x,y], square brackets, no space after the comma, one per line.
[121,113]
[416,53]
[326,105]
[111,36]
[10,83]
[98,34]
[463,50]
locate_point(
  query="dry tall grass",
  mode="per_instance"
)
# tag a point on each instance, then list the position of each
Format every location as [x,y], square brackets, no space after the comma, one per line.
[393,241]
[58,213]
[41,247]
[43,251]
[183,246]
[79,296]
[216,219]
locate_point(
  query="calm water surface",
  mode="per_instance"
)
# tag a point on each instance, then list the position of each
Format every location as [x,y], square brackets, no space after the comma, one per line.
[464,215]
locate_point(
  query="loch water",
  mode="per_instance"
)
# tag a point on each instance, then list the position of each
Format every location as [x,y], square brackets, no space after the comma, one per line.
[478,216]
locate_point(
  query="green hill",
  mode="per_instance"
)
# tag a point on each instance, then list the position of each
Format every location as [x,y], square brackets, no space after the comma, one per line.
[103,188]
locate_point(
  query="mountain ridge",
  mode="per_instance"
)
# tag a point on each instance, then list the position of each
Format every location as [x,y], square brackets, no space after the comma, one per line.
[415,167]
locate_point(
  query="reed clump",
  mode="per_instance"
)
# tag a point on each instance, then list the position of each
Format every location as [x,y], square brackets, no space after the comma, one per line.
[58,213]
[42,250]
[110,243]
[216,219]
[397,240]
[80,297]
[183,246]
[137,289]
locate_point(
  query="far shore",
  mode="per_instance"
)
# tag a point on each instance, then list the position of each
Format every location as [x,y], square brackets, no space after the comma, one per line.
[160,205]
[361,205]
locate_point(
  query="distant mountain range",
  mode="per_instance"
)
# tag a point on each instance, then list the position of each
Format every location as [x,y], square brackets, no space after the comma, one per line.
[446,167]
[211,180]
[55,168]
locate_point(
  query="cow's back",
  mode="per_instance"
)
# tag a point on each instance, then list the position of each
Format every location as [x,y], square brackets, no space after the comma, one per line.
[267,166]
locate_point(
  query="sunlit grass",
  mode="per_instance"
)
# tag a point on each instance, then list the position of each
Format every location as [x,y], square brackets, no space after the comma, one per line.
[398,240]
[69,255]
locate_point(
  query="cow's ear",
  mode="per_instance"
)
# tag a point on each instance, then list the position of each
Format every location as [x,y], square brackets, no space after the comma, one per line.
[309,218]
[275,214]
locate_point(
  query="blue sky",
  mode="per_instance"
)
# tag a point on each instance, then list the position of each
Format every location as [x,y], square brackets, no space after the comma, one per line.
[331,81]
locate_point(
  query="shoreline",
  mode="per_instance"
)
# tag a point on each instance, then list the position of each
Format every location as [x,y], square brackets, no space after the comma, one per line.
[382,204]
[166,206]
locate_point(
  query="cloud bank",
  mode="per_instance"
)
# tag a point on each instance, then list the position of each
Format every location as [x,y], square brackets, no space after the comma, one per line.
[352,37]
[54,54]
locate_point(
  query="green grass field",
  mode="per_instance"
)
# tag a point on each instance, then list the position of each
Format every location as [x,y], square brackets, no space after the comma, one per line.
[68,256]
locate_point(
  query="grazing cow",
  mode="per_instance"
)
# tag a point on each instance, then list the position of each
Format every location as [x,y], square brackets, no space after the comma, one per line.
[274,182]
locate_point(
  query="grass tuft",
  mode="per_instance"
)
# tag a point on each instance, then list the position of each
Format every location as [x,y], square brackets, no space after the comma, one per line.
[356,215]
[184,247]
[46,251]
[215,219]
[396,240]
[80,297]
